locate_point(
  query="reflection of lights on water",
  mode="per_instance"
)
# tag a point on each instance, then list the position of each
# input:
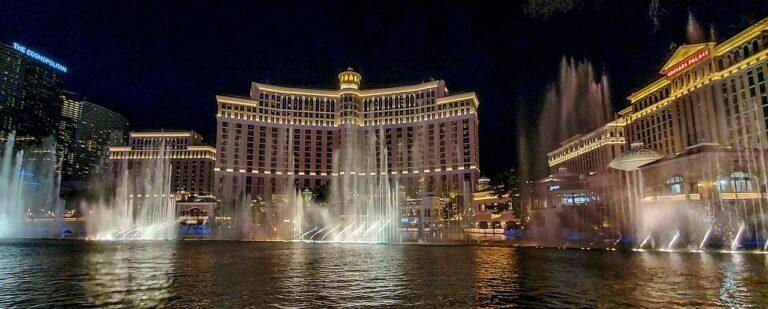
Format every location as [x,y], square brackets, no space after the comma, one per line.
[114,279]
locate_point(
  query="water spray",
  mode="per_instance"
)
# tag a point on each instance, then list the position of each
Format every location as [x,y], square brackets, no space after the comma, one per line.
[736,240]
[704,241]
[674,240]
[645,241]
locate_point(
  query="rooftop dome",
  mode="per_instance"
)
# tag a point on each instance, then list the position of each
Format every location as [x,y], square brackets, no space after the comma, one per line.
[637,156]
[349,79]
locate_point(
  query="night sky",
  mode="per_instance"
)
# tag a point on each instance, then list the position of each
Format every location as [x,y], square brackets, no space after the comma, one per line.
[161,63]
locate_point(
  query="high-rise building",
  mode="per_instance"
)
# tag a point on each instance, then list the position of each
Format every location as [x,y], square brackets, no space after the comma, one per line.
[30,92]
[192,161]
[281,133]
[706,92]
[70,114]
[706,117]
[86,131]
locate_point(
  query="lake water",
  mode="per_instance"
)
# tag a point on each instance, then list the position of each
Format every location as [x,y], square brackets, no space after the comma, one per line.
[237,274]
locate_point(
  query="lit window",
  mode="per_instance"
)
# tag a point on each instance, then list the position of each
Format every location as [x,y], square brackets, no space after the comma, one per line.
[675,184]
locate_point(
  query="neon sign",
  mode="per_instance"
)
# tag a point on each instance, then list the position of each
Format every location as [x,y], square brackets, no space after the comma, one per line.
[687,62]
[34,55]
[554,187]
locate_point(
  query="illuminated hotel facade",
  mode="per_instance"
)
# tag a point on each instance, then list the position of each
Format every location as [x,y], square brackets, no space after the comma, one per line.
[430,135]
[707,116]
[192,162]
[707,92]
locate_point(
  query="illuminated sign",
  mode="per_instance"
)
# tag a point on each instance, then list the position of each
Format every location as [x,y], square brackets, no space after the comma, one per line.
[687,62]
[34,55]
[553,188]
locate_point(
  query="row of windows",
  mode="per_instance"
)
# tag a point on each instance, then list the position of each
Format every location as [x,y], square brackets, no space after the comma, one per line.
[262,185]
[419,99]
[349,114]
[607,133]
[158,142]
[315,147]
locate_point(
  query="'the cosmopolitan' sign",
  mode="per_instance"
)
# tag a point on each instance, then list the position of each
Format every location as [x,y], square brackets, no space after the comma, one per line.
[687,62]
[34,55]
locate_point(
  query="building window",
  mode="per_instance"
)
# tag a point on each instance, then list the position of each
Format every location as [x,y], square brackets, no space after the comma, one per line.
[738,182]
[675,184]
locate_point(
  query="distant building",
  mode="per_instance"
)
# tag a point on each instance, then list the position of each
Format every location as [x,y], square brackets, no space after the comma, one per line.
[706,117]
[490,211]
[430,136]
[192,161]
[86,131]
[30,93]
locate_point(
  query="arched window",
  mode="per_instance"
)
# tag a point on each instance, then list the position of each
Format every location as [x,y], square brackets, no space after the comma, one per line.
[737,182]
[675,184]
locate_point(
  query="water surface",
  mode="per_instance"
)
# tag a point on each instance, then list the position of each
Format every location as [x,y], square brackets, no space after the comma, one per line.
[237,274]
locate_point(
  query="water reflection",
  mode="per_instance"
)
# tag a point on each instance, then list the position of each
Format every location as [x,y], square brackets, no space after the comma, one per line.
[345,274]
[496,276]
[240,274]
[129,274]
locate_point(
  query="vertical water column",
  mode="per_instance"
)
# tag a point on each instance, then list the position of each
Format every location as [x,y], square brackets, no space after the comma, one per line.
[140,205]
[349,179]
[12,207]
[28,184]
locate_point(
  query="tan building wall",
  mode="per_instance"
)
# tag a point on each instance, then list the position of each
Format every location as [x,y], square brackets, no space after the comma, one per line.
[430,136]
[192,162]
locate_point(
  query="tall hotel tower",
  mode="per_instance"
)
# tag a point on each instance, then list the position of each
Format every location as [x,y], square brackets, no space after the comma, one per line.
[426,138]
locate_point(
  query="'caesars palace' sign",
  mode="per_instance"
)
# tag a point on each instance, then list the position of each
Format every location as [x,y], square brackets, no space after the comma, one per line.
[687,62]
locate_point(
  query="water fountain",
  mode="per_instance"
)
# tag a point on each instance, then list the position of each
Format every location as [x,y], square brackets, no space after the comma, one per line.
[29,189]
[673,242]
[720,207]
[136,204]
[704,240]
[694,31]
[579,102]
[364,202]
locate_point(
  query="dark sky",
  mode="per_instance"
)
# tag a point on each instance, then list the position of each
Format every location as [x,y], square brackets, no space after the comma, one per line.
[160,63]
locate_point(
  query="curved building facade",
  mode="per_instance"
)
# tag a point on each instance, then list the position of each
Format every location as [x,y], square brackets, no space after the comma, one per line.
[280,135]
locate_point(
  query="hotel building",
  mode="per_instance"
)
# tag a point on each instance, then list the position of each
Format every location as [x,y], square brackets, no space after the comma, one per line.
[30,93]
[706,115]
[192,161]
[493,212]
[429,133]
[86,131]
[708,93]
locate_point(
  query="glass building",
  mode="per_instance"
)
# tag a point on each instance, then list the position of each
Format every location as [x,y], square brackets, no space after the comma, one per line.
[86,131]
[30,93]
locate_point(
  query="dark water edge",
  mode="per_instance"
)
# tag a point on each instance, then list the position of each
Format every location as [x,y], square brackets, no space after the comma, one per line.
[203,273]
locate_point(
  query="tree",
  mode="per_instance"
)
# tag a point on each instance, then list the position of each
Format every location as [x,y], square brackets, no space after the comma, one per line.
[320,194]
[452,208]
[257,205]
[508,184]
